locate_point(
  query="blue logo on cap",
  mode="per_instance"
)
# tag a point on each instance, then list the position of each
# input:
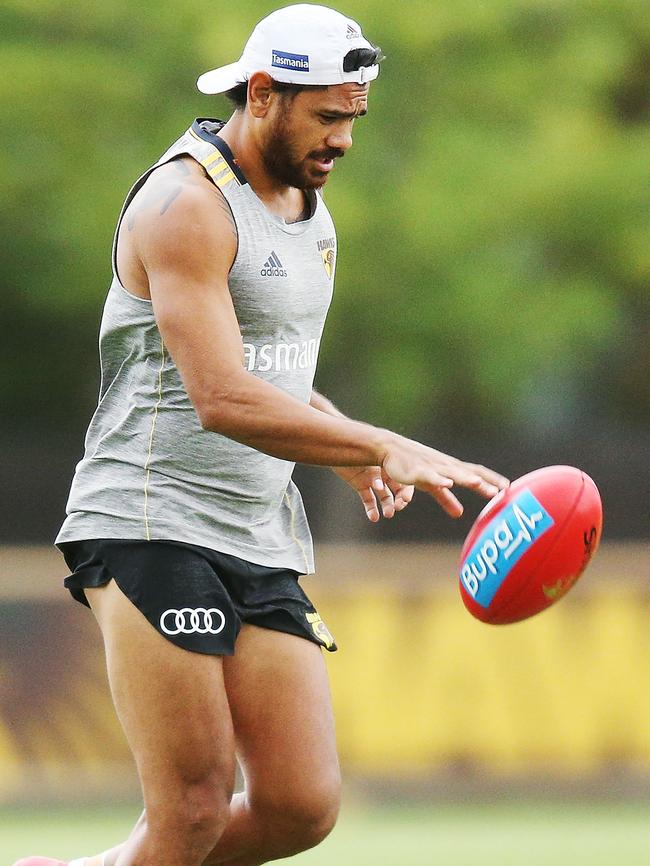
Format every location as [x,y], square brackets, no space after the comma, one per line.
[502,544]
[295,62]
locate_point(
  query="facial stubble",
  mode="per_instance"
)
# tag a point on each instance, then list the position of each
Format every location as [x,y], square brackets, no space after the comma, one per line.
[279,156]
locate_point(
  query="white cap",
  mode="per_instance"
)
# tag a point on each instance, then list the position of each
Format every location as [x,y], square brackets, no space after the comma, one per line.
[301,44]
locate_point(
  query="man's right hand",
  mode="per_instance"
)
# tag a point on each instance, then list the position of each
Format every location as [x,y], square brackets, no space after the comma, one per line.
[410,462]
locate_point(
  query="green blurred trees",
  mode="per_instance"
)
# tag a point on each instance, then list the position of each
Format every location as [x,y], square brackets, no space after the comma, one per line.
[493,217]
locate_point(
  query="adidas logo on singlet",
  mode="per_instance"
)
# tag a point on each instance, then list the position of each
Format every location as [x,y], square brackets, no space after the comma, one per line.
[272,267]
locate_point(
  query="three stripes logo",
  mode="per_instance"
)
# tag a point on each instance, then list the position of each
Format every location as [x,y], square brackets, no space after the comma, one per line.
[352,33]
[272,267]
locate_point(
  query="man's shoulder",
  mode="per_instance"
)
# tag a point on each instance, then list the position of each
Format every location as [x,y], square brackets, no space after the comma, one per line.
[182,172]
[176,190]
[177,212]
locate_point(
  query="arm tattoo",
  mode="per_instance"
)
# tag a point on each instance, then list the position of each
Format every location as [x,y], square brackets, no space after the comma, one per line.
[180,166]
[165,193]
[152,195]
[170,198]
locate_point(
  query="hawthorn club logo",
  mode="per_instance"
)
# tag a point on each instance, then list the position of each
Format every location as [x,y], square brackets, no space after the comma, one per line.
[327,249]
[321,631]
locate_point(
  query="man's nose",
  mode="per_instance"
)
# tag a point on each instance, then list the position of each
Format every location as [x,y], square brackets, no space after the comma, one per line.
[339,139]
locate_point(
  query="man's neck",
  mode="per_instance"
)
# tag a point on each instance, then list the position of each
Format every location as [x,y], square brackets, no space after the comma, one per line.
[284,201]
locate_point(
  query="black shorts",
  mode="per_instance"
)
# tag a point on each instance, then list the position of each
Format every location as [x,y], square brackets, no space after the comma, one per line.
[195,597]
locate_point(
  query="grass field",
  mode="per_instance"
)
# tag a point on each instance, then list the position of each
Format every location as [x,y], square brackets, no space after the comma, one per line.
[522,834]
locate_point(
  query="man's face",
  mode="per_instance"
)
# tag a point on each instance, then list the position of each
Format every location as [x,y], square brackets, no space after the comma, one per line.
[309,130]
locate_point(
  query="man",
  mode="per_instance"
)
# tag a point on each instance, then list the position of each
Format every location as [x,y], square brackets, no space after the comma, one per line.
[185,533]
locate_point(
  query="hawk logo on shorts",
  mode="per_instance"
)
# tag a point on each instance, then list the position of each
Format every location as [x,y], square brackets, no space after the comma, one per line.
[320,629]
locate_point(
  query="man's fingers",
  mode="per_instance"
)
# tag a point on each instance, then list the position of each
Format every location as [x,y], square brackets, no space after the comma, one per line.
[387,503]
[370,504]
[488,475]
[385,496]
[431,481]
[480,485]
[403,493]
[435,472]
[448,501]
[439,486]
[466,476]
[443,496]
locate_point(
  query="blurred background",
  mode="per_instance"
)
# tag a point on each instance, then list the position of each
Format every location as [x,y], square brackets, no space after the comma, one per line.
[492,300]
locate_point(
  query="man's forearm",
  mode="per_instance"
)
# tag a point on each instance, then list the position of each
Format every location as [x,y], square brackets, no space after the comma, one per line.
[318,401]
[250,410]
[268,419]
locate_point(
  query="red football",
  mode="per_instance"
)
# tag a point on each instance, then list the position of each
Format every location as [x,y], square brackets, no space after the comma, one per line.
[530,544]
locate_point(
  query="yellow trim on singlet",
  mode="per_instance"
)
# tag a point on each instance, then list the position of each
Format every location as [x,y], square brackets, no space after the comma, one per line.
[197,137]
[207,161]
[226,178]
[292,527]
[153,428]
[219,168]
[214,166]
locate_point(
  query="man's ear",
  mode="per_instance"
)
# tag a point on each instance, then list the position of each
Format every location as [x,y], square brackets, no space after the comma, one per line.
[260,93]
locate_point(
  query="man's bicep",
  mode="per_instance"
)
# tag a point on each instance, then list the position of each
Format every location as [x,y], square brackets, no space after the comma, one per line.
[195,238]
[187,259]
[197,321]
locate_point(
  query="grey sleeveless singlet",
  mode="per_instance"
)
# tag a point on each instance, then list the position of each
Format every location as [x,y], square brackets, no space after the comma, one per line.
[150,471]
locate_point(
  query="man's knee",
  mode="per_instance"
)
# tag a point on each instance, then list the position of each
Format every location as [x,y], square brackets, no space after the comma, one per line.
[196,812]
[300,819]
[204,808]
[315,821]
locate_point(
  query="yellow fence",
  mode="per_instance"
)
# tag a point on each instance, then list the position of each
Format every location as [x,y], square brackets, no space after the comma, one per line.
[419,686]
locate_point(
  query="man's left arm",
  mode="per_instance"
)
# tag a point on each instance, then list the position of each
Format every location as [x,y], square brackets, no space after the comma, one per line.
[369,481]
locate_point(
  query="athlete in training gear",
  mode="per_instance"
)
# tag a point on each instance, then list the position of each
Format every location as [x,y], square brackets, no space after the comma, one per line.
[184,530]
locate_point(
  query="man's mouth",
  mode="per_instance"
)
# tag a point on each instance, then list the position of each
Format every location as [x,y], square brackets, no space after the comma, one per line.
[324,165]
[325,161]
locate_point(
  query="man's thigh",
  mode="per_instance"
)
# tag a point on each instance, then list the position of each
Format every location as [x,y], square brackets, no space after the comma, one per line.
[282,714]
[172,703]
